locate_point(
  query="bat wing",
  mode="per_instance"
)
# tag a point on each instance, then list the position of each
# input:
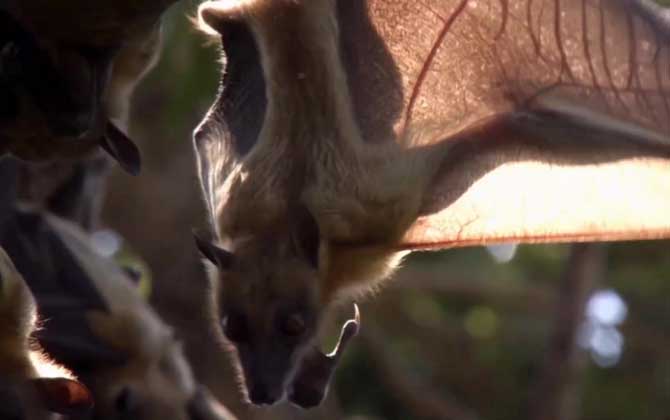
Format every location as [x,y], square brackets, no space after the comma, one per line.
[62,289]
[556,114]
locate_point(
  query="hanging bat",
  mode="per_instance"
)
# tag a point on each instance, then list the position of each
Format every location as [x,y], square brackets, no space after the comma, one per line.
[32,387]
[98,325]
[63,98]
[349,133]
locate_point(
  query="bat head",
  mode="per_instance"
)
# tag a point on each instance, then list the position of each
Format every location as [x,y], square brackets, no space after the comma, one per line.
[269,310]
[271,303]
[155,382]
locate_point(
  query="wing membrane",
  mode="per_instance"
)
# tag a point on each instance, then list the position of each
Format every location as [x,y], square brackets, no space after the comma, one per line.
[558,112]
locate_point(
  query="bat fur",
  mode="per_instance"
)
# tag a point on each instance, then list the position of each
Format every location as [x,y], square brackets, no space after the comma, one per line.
[306,212]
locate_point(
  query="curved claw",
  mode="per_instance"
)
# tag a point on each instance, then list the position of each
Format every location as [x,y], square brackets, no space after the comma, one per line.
[349,330]
[312,379]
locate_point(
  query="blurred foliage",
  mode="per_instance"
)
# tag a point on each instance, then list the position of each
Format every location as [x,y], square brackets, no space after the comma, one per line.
[475,338]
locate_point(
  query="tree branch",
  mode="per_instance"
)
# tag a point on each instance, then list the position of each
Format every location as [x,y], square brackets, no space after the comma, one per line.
[557,396]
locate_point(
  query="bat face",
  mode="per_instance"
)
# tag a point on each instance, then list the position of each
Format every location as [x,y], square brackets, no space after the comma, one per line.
[268,316]
[144,390]
[269,342]
[151,389]
[269,308]
[152,380]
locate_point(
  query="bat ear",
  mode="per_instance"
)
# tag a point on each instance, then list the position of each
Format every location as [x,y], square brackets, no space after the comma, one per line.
[212,15]
[63,395]
[312,379]
[217,256]
[121,148]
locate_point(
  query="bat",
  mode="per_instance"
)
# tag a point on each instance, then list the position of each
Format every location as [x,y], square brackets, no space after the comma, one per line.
[96,322]
[32,386]
[65,100]
[349,133]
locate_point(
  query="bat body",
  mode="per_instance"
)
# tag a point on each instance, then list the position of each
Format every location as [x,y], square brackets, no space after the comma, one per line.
[349,133]
[32,387]
[96,322]
[63,99]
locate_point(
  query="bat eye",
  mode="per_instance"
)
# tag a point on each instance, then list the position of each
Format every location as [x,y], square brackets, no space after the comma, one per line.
[293,326]
[235,328]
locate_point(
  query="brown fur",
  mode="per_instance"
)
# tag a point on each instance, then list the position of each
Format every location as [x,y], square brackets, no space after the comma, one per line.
[155,374]
[308,171]
[23,366]
[29,135]
[280,164]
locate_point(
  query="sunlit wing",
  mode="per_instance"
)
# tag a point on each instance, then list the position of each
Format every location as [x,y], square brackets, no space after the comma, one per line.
[559,112]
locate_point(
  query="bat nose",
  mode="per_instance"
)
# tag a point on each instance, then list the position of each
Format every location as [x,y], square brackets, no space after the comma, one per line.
[261,395]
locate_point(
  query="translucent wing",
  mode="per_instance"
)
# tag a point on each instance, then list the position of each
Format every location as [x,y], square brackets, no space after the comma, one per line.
[558,112]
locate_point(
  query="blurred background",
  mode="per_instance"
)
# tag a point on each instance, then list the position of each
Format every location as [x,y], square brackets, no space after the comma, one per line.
[539,332]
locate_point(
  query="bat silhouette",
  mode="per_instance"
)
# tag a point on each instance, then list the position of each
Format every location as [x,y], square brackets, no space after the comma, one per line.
[62,97]
[95,321]
[349,133]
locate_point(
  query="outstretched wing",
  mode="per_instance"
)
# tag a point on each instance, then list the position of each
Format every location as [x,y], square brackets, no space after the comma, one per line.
[558,112]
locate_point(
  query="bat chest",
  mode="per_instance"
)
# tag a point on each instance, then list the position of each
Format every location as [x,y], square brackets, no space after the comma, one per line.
[362,198]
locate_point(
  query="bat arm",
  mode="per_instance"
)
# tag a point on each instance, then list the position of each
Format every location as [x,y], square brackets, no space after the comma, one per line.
[552,172]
